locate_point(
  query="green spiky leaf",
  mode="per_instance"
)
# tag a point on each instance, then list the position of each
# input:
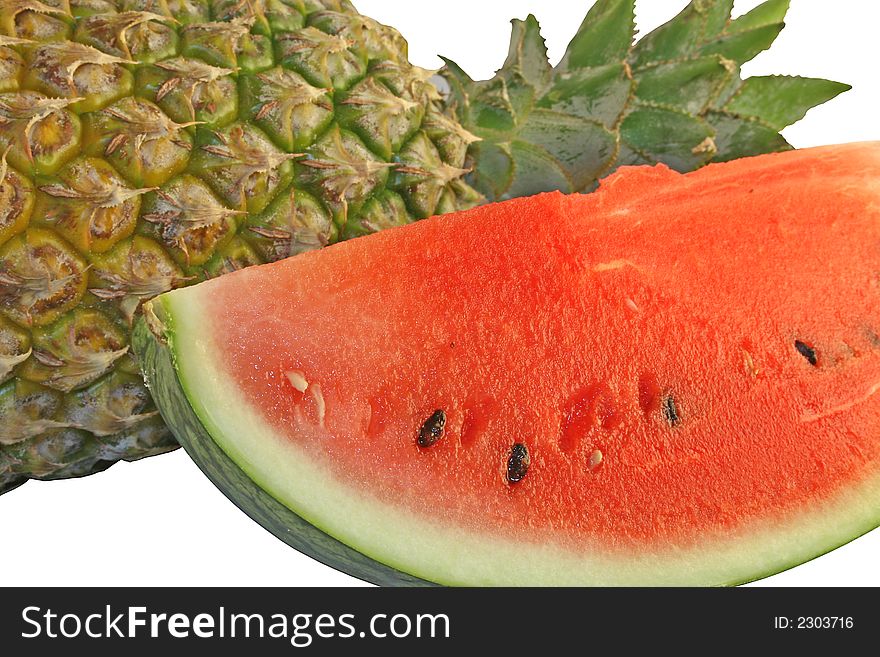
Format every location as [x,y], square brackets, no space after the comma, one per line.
[582,148]
[771,12]
[535,171]
[742,47]
[605,36]
[685,35]
[650,135]
[780,100]
[751,33]
[491,111]
[676,97]
[598,93]
[494,176]
[528,53]
[737,137]
[689,85]
[460,89]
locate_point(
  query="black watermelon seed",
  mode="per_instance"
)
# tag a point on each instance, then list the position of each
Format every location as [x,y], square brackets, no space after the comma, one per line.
[518,463]
[807,352]
[433,428]
[670,411]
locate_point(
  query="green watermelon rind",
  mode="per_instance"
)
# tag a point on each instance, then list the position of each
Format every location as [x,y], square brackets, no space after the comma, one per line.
[157,362]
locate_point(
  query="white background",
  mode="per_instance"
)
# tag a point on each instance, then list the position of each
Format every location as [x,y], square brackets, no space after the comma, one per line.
[160,522]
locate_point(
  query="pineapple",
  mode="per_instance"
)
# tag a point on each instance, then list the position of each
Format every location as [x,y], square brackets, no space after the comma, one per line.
[151,144]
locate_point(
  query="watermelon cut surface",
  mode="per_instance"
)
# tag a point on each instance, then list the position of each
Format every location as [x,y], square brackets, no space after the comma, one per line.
[674,380]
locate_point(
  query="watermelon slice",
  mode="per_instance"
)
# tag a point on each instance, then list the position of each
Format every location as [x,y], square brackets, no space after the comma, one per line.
[673,380]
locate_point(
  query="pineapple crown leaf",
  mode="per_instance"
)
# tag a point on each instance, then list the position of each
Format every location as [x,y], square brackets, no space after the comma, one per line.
[691,84]
[527,56]
[676,96]
[704,27]
[768,13]
[781,100]
[684,35]
[605,36]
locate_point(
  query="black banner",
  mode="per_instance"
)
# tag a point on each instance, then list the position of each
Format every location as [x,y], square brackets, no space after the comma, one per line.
[511,621]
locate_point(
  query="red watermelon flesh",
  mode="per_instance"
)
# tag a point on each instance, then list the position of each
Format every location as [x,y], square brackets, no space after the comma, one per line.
[673,379]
